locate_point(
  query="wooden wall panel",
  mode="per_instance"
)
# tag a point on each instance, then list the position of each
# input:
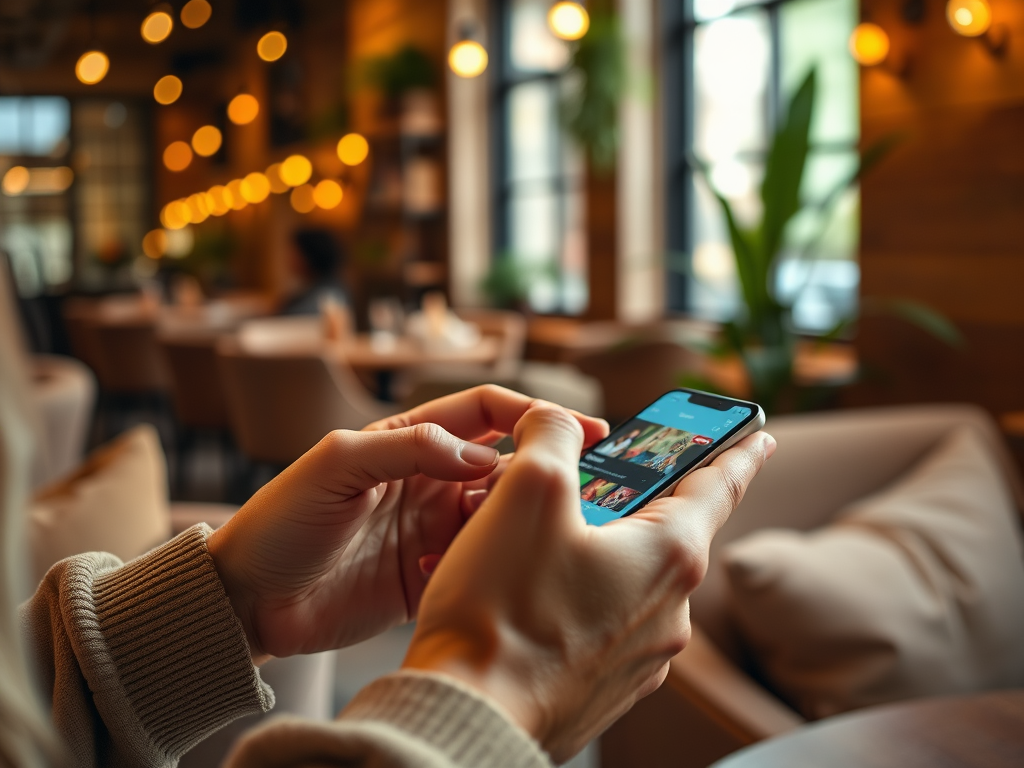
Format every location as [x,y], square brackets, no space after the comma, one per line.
[943,215]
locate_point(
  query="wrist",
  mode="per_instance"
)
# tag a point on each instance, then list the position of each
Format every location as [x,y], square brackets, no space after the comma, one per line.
[237,594]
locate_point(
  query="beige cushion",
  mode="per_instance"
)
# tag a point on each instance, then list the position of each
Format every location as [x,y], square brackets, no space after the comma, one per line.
[915,591]
[115,502]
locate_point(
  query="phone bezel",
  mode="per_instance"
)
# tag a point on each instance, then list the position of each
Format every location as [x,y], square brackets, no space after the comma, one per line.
[661,486]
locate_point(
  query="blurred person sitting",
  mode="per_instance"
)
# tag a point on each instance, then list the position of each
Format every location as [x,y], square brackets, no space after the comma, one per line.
[316,261]
[415,517]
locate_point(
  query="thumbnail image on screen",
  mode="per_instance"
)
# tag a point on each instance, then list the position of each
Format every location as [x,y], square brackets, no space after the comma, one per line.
[619,473]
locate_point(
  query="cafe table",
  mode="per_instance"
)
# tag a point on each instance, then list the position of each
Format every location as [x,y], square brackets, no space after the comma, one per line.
[975,731]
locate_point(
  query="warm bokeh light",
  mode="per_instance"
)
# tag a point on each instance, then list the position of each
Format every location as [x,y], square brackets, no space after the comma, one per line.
[869,44]
[272,46]
[15,180]
[303,198]
[569,21]
[167,89]
[255,188]
[327,194]
[198,210]
[296,170]
[196,13]
[49,181]
[92,67]
[238,202]
[243,109]
[154,244]
[467,58]
[206,141]
[969,18]
[157,27]
[175,215]
[177,156]
[277,184]
[353,149]
[219,200]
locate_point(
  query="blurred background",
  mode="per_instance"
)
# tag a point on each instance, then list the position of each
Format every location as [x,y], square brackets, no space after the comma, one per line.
[245,224]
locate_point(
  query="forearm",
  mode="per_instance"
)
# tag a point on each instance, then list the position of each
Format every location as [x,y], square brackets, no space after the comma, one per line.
[140,662]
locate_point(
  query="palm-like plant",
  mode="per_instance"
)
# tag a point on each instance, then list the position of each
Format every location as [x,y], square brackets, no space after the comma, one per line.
[763,335]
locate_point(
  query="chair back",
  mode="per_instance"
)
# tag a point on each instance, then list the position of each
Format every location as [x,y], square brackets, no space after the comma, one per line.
[128,356]
[197,393]
[280,405]
[634,373]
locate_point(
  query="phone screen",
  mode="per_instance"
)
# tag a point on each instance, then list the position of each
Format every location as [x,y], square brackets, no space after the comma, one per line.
[643,456]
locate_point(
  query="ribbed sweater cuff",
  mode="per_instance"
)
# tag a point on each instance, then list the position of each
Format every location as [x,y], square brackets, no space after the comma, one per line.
[455,720]
[175,646]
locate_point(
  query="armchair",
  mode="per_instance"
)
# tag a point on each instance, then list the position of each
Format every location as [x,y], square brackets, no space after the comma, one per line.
[710,705]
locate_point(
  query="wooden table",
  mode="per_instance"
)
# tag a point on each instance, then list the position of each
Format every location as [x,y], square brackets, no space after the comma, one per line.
[981,731]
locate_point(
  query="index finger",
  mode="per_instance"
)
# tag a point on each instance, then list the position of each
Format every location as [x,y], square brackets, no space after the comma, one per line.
[704,499]
[473,413]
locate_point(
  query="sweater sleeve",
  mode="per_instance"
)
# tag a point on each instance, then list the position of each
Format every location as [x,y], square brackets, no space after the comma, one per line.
[404,720]
[140,662]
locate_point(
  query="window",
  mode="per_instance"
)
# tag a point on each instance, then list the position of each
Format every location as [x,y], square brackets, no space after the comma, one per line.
[729,67]
[540,197]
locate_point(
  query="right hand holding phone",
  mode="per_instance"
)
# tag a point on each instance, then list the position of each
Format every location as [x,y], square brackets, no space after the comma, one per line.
[567,625]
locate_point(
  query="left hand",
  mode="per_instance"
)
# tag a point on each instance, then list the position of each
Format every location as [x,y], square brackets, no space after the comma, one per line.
[336,549]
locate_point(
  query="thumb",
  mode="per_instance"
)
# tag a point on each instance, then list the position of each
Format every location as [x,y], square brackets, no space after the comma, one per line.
[358,461]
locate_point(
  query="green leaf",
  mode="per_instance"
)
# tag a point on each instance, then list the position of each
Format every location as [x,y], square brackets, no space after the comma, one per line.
[919,315]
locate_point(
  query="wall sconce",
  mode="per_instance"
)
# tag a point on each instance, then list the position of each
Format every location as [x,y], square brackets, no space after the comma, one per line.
[869,46]
[467,58]
[973,18]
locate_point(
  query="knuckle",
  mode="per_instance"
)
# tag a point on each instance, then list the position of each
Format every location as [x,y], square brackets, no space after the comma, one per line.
[543,474]
[428,435]
[688,563]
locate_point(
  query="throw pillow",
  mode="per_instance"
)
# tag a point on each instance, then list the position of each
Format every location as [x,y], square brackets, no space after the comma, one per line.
[915,591]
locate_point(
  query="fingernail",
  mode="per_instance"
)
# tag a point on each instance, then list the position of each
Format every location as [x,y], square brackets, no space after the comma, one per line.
[428,564]
[472,500]
[478,455]
[769,446]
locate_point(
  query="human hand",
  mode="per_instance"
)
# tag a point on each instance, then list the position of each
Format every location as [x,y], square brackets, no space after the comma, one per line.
[567,625]
[329,553]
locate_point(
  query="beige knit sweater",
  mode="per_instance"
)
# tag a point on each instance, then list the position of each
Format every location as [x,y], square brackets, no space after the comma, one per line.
[142,661]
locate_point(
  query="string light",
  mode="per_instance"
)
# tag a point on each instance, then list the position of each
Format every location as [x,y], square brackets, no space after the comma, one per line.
[869,44]
[154,244]
[177,156]
[272,46]
[568,20]
[197,208]
[303,199]
[92,67]
[157,27]
[196,13]
[353,149]
[296,170]
[255,188]
[467,58]
[328,194]
[175,215]
[219,200]
[277,184]
[238,202]
[970,18]
[16,180]
[167,89]
[243,109]
[206,140]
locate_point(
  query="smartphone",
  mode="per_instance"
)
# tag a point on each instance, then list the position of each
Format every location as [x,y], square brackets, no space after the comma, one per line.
[646,456]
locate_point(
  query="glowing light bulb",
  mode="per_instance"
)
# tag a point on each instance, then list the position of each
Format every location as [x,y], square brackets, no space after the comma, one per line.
[92,67]
[272,46]
[569,21]
[243,109]
[206,141]
[167,89]
[296,170]
[238,202]
[219,200]
[197,208]
[869,44]
[303,198]
[969,18]
[467,58]
[255,188]
[154,244]
[328,194]
[177,156]
[175,215]
[196,13]
[353,149]
[157,27]
[16,180]
[277,184]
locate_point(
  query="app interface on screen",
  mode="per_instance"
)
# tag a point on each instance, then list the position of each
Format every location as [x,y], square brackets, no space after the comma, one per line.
[617,475]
